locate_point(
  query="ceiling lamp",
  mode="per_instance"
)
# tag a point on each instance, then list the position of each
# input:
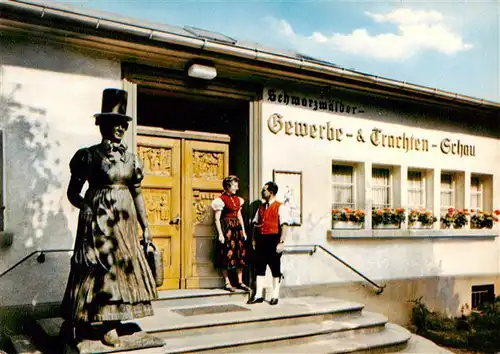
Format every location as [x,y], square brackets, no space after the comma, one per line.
[200,71]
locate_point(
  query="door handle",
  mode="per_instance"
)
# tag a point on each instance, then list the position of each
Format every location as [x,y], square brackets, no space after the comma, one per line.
[176,220]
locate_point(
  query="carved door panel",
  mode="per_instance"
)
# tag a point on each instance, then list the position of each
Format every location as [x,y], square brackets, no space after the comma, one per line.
[205,164]
[162,191]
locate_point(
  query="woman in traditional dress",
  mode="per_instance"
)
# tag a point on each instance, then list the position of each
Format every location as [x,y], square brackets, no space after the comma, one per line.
[110,280]
[231,250]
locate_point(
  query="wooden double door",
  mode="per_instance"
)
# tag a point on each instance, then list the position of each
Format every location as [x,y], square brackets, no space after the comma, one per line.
[181,178]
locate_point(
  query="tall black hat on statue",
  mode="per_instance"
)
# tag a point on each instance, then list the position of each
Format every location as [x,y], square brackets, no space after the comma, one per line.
[114,105]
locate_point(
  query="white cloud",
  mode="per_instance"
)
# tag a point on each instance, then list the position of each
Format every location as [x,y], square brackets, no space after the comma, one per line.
[408,16]
[285,28]
[319,37]
[417,31]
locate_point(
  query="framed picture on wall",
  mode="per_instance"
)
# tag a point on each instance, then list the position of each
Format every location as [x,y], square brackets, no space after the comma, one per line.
[290,193]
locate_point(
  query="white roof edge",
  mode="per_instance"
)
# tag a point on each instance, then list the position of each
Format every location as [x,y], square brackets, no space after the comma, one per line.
[163,34]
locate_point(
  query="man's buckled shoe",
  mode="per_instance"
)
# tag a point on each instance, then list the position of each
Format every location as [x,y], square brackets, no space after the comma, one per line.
[255,300]
[245,287]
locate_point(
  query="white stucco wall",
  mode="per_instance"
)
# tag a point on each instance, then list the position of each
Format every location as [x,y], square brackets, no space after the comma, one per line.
[48,95]
[377,258]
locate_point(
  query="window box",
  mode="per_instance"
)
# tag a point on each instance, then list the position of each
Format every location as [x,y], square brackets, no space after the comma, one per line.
[374,234]
[421,219]
[455,218]
[419,225]
[387,218]
[451,227]
[347,225]
[484,219]
[348,218]
[386,226]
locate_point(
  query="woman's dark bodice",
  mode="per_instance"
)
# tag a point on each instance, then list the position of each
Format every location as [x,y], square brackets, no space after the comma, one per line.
[101,166]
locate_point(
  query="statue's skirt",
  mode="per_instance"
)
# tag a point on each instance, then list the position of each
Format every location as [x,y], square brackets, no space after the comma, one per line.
[109,278]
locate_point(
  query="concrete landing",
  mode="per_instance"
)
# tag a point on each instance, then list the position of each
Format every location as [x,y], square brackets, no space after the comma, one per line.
[421,345]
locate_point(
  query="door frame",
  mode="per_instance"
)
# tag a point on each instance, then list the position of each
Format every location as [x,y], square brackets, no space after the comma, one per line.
[255,119]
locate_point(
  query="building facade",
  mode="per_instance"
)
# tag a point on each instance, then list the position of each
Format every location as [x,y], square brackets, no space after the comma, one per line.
[331,138]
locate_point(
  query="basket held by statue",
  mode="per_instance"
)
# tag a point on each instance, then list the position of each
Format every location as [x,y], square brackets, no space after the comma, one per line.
[155,262]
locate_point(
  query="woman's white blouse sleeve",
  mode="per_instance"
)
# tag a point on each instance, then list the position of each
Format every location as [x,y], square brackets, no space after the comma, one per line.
[217,204]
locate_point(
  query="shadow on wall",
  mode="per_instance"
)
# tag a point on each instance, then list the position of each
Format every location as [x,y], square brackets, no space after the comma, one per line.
[310,224]
[33,195]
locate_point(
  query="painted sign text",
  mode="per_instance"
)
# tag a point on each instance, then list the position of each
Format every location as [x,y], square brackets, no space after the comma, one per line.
[376,137]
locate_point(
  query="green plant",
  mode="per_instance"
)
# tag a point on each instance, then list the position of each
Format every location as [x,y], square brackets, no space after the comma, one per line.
[420,315]
[420,215]
[484,334]
[482,219]
[346,214]
[476,330]
[388,216]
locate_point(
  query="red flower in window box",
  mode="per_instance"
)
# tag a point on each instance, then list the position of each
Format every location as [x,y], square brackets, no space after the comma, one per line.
[347,214]
[484,219]
[423,216]
[388,216]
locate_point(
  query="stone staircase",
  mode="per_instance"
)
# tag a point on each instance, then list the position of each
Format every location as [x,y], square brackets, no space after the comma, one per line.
[216,321]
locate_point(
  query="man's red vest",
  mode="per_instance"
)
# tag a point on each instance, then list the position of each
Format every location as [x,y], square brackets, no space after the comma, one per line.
[269,219]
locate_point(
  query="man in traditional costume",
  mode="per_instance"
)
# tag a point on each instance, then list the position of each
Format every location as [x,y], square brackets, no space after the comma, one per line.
[271,222]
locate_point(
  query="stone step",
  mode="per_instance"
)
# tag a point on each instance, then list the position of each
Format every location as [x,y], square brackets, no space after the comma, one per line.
[216,321]
[391,340]
[357,334]
[135,343]
[45,333]
[176,298]
[209,318]
[23,345]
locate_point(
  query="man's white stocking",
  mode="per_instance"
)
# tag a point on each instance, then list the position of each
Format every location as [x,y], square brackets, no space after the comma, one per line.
[276,288]
[259,287]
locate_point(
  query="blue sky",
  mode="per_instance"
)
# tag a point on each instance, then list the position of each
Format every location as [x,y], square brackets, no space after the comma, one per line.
[450,45]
